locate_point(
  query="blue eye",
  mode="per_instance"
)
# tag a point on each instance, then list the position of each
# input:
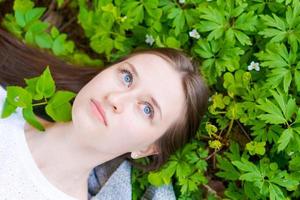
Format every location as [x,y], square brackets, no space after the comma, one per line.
[128,78]
[148,110]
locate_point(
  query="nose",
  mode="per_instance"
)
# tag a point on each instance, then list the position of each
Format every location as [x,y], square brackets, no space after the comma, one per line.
[116,100]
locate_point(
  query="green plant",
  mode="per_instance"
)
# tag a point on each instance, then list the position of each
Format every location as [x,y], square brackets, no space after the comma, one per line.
[249,139]
[43,90]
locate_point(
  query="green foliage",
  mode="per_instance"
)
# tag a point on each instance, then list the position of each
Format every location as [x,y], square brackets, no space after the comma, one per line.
[267,177]
[26,24]
[38,88]
[186,166]
[249,55]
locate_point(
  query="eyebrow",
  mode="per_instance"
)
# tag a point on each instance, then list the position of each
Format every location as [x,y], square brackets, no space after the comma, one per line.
[132,67]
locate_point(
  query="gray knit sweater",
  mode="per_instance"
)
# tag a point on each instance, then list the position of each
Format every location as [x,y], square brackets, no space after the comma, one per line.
[113,182]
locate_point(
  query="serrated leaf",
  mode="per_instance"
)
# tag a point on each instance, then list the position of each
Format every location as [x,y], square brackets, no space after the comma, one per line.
[228,171]
[251,177]
[285,138]
[275,192]
[275,115]
[291,108]
[242,38]
[297,80]
[245,165]
[287,81]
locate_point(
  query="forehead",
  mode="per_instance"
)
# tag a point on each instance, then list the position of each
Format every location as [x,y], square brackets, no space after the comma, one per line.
[159,79]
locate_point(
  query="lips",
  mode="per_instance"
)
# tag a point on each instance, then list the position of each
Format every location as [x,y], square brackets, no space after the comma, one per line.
[100,110]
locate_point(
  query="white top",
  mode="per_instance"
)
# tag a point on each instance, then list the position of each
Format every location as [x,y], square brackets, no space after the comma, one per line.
[20,177]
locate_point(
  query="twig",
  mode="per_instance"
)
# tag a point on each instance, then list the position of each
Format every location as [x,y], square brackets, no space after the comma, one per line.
[50,9]
[204,137]
[230,127]
[210,190]
[66,2]
[212,154]
[240,125]
[214,161]
[65,25]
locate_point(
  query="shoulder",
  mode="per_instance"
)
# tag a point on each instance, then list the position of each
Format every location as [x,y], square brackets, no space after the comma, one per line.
[114,178]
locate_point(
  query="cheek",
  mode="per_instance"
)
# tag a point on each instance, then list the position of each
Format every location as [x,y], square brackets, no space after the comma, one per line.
[130,126]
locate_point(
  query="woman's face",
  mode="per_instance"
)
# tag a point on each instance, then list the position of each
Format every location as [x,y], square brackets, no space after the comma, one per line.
[133,120]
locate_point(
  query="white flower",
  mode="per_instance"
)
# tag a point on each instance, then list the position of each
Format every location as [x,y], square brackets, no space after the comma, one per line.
[181,1]
[253,65]
[194,34]
[149,39]
[209,99]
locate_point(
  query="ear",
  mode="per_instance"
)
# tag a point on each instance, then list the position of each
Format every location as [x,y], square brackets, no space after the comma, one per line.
[150,150]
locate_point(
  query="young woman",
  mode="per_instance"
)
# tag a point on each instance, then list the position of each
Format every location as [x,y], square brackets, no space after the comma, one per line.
[149,103]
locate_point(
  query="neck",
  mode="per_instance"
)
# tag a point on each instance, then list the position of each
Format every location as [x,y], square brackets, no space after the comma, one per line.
[62,157]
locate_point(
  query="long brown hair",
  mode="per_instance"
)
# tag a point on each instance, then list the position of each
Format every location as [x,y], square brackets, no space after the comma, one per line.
[19,61]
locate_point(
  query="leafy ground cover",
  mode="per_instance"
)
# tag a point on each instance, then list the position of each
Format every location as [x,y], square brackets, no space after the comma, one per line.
[247,146]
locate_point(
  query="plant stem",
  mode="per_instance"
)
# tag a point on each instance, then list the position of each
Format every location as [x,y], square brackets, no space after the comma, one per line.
[41,103]
[230,127]
[240,125]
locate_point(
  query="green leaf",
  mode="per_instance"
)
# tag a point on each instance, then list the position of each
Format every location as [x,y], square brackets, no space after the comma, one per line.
[30,117]
[23,5]
[60,2]
[256,147]
[251,177]
[287,81]
[29,37]
[285,138]
[155,179]
[7,109]
[228,171]
[294,163]
[44,40]
[20,19]
[275,192]
[45,84]
[31,87]
[246,21]
[18,96]
[275,115]
[59,107]
[297,80]
[34,14]
[54,32]
[275,56]
[172,42]
[291,108]
[245,165]
[242,38]
[59,45]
